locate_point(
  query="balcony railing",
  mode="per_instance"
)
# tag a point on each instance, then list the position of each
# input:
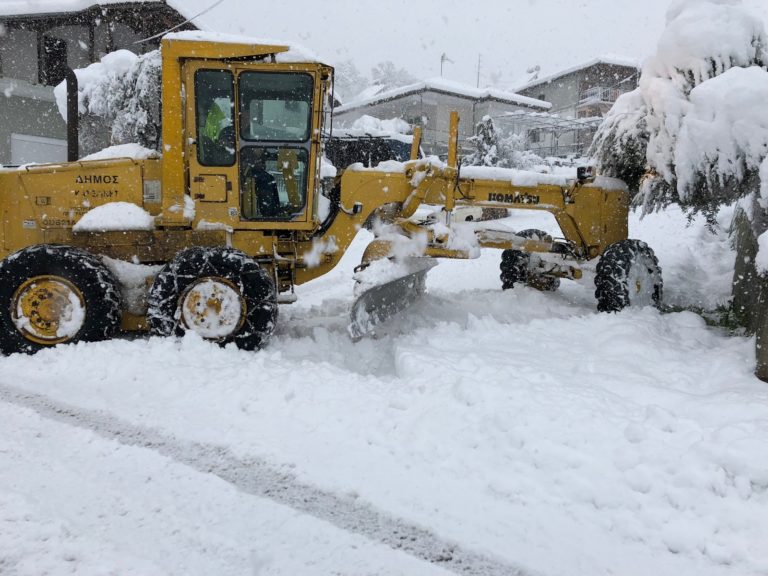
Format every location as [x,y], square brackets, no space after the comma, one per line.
[598,94]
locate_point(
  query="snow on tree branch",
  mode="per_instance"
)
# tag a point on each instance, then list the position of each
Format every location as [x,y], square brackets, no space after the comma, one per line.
[118,100]
[493,149]
[697,126]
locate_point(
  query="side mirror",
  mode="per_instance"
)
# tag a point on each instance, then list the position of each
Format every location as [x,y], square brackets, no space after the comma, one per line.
[585,174]
[357,207]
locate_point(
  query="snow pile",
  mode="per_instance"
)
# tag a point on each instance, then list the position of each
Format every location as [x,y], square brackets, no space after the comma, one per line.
[115,216]
[132,151]
[696,256]
[635,444]
[698,118]
[180,521]
[134,279]
[519,424]
[392,166]
[513,176]
[384,270]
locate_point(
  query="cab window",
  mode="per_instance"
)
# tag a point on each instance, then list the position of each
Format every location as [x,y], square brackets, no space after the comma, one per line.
[274,182]
[215,97]
[275,106]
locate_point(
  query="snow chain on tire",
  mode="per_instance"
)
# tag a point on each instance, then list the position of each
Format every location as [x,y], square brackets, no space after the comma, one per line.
[230,269]
[54,294]
[515,265]
[628,274]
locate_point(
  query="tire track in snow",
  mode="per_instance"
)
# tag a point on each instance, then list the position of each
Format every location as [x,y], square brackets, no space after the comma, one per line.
[256,477]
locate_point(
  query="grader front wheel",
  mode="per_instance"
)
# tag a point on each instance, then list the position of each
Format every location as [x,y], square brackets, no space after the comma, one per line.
[628,274]
[52,295]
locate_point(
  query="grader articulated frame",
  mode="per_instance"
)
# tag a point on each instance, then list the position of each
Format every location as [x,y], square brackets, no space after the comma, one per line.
[238,224]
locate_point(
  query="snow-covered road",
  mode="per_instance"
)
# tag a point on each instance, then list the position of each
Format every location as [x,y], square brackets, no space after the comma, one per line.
[494,431]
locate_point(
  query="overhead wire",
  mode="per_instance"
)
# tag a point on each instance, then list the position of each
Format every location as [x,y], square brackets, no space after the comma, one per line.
[187,21]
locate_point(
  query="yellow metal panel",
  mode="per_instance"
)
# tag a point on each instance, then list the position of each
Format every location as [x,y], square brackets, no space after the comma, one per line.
[210,187]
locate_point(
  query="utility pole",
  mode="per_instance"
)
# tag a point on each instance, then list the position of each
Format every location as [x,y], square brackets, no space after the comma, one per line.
[478,70]
[444,58]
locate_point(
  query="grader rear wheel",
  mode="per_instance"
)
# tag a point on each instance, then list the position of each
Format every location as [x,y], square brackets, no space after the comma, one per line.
[219,293]
[53,295]
[515,266]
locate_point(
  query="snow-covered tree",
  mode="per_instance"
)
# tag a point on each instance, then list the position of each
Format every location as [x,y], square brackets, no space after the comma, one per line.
[495,149]
[695,131]
[138,117]
[348,80]
[621,142]
[118,101]
[515,154]
[486,142]
[385,74]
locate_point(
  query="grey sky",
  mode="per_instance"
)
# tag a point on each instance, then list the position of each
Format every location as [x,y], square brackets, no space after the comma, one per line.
[509,35]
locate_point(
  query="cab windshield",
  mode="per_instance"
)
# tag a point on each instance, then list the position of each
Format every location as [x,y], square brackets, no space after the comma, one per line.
[275,107]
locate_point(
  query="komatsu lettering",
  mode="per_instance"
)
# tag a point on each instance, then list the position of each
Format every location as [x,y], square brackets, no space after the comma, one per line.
[514,198]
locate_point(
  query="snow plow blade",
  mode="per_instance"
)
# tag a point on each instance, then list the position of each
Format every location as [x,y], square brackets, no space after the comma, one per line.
[381,294]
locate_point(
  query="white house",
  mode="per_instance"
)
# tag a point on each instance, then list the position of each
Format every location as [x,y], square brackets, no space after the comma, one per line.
[428,104]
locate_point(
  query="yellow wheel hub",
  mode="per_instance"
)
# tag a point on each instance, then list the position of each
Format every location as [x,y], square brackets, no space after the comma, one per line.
[48,310]
[213,307]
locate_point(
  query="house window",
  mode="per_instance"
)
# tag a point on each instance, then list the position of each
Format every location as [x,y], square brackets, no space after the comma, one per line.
[53,61]
[534,136]
[542,97]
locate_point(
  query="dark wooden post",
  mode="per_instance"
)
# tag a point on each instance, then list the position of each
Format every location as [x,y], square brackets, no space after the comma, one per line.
[73,146]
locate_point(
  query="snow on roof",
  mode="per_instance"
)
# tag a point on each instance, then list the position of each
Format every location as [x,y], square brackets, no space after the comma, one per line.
[450,87]
[369,92]
[41,7]
[612,60]
[395,128]
[294,53]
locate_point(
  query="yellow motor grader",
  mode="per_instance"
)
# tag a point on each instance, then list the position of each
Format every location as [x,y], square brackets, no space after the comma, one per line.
[240,211]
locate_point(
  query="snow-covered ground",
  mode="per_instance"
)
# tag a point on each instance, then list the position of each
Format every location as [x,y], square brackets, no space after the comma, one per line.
[487,432]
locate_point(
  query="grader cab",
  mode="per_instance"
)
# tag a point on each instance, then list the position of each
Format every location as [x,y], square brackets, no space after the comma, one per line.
[235,210]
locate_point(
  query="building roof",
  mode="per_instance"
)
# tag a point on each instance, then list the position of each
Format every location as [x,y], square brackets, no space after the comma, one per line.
[13,8]
[611,60]
[449,87]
